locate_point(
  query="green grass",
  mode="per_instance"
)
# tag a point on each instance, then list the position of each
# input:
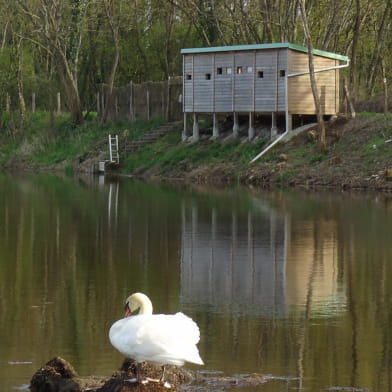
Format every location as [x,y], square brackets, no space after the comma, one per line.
[371,114]
[168,152]
[48,141]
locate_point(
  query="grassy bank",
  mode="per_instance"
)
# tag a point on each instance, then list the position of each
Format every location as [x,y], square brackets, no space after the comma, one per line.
[359,153]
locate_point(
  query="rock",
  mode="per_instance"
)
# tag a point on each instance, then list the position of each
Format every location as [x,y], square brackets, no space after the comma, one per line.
[283,158]
[312,135]
[58,375]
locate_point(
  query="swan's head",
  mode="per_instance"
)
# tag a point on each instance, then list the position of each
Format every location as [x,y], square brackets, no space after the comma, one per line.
[138,301]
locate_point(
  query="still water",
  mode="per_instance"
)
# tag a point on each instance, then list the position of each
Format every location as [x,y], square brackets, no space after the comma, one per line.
[290,285]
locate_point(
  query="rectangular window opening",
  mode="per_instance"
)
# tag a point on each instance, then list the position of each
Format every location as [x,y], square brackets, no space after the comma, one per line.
[260,74]
[219,71]
[249,69]
[240,70]
[282,73]
[228,70]
[188,77]
[208,76]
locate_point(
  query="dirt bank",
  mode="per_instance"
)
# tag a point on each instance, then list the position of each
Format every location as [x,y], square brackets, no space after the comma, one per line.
[359,156]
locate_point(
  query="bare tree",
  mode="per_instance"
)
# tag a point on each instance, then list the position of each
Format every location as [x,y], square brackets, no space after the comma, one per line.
[109,11]
[320,120]
[380,44]
[58,28]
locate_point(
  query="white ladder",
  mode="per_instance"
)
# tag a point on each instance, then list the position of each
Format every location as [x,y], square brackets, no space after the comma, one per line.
[113,149]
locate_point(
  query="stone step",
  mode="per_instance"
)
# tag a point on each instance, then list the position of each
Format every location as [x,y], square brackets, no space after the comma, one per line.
[149,138]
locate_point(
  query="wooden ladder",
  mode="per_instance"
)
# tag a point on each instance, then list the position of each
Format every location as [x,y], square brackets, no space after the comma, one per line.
[113,149]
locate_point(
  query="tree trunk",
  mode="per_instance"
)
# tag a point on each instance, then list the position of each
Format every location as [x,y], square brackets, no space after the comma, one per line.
[385,87]
[114,32]
[319,114]
[354,49]
[19,77]
[348,98]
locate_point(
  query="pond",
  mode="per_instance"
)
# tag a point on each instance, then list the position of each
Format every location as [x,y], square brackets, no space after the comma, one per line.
[287,284]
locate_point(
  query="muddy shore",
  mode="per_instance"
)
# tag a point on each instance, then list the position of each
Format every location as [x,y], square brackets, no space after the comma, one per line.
[359,157]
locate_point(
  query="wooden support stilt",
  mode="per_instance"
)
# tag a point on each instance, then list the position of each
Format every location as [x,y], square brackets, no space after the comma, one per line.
[236,127]
[196,130]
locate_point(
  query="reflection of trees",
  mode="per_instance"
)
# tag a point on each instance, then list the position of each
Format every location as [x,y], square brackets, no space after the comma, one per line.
[334,282]
[68,257]
[255,278]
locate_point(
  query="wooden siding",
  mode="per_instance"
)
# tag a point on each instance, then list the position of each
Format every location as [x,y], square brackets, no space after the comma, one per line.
[202,87]
[188,84]
[243,82]
[270,89]
[223,83]
[300,93]
[260,87]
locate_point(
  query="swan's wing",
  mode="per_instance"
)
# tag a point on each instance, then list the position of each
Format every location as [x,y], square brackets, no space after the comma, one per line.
[173,337]
[161,338]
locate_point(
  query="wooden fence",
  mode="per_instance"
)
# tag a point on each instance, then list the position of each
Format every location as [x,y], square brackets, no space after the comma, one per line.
[129,103]
[143,101]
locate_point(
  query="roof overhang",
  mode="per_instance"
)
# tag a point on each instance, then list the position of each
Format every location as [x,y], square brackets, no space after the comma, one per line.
[282,45]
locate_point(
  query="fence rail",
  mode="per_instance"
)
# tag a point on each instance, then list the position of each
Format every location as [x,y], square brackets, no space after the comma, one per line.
[132,102]
[143,101]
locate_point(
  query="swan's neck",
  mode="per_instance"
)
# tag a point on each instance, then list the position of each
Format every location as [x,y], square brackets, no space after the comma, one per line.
[145,304]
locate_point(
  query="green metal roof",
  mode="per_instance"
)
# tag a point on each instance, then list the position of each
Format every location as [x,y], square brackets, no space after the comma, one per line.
[280,45]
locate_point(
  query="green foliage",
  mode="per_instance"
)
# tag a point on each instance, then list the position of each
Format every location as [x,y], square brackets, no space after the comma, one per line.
[316,158]
[285,176]
[74,37]
[373,115]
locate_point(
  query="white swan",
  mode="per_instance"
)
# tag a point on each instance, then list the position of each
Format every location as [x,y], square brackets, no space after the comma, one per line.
[158,338]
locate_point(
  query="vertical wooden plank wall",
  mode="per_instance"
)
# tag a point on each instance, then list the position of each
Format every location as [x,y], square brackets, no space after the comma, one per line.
[300,93]
[255,81]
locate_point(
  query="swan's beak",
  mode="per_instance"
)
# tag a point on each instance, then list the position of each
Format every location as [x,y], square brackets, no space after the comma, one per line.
[127,310]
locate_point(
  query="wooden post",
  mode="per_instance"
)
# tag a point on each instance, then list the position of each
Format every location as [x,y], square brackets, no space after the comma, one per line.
[348,98]
[385,87]
[185,135]
[58,103]
[33,102]
[251,130]
[102,100]
[8,103]
[196,134]
[131,114]
[289,122]
[236,127]
[274,128]
[215,127]
[148,104]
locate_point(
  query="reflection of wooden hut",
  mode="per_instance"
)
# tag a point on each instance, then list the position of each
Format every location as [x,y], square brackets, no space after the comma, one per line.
[257,79]
[264,262]
[234,260]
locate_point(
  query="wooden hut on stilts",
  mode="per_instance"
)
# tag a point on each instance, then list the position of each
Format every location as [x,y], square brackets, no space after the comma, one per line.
[260,79]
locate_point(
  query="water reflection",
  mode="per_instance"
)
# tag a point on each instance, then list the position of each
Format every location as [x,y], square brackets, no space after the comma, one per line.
[260,262]
[289,284]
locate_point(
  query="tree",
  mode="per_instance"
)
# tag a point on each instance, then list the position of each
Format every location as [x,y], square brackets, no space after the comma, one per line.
[320,120]
[113,25]
[58,27]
